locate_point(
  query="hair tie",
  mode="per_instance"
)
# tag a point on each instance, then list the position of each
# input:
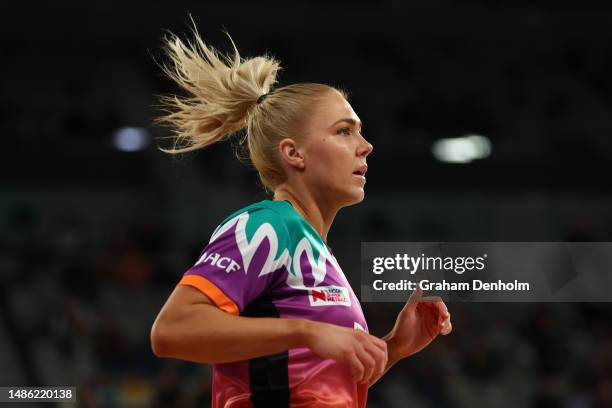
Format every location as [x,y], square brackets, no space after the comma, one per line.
[261,98]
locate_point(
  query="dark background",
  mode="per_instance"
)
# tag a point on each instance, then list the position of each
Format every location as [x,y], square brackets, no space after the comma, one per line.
[94,239]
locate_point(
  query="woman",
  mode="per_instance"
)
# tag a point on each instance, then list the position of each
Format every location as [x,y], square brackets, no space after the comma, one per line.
[267,303]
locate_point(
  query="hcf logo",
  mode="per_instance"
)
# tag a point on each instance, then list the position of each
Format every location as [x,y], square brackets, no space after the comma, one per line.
[222,262]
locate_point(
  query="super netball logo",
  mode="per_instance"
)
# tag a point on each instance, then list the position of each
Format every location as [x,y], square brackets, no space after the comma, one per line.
[317,295]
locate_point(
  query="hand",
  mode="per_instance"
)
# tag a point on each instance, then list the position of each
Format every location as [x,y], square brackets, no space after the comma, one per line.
[364,353]
[418,323]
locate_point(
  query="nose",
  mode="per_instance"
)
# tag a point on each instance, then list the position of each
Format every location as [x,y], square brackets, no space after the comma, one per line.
[365,148]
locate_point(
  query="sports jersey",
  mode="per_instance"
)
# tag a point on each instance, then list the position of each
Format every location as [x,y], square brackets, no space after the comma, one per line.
[266,260]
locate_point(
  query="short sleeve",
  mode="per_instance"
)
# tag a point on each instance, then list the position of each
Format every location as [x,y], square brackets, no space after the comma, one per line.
[242,261]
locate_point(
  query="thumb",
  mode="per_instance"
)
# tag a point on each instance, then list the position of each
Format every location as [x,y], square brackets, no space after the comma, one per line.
[414,299]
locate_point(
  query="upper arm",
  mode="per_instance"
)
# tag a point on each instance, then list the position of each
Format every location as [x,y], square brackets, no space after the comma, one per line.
[181,298]
[177,307]
[239,263]
[184,295]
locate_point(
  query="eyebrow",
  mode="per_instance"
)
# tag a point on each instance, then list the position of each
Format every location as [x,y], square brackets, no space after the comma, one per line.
[349,120]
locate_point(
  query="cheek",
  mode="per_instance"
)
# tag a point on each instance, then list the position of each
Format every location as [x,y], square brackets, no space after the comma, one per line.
[332,159]
[324,148]
[340,150]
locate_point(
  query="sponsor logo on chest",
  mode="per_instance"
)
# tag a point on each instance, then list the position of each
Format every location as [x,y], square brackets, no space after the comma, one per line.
[329,295]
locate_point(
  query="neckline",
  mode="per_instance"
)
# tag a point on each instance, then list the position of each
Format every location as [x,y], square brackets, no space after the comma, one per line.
[306,221]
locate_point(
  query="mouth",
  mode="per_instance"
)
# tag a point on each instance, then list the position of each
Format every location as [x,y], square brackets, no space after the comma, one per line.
[361,171]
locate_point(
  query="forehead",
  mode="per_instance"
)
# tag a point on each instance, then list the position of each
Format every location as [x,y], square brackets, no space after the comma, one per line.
[332,108]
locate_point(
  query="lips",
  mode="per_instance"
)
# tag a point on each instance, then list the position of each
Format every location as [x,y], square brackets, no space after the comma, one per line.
[361,170]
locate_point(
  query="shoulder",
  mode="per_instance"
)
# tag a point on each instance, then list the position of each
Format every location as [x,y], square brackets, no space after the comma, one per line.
[265,216]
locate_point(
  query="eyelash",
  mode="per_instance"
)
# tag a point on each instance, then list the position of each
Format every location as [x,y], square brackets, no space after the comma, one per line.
[349,129]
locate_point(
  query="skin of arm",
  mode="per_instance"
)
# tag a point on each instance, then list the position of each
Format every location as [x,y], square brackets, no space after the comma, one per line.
[190,327]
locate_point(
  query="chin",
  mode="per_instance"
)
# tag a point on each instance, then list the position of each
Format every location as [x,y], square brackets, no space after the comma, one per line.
[355,197]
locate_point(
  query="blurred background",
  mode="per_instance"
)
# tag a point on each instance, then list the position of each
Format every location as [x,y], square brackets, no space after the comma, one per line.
[489,122]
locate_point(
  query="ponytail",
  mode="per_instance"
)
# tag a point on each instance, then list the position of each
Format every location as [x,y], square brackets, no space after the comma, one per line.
[222,91]
[224,97]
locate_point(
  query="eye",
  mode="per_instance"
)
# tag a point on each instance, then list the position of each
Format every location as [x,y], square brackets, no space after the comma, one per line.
[345,130]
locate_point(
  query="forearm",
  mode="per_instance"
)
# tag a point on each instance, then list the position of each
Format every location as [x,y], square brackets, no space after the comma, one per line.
[393,351]
[206,334]
[393,355]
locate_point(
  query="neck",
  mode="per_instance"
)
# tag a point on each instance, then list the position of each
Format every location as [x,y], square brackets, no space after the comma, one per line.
[319,213]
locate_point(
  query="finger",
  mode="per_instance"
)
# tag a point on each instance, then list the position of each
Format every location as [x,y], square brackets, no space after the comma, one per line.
[447,326]
[414,299]
[368,362]
[428,315]
[357,368]
[431,311]
[439,305]
[435,300]
[380,343]
[446,329]
[380,357]
[438,315]
[431,299]
[364,337]
[378,349]
[443,313]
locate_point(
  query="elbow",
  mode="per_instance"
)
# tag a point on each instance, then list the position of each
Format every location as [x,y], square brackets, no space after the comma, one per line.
[160,341]
[165,344]
[173,335]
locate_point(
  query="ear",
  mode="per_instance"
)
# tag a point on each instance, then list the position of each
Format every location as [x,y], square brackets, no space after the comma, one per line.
[290,153]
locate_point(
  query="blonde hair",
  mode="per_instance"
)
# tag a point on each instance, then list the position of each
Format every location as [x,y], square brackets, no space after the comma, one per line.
[223,93]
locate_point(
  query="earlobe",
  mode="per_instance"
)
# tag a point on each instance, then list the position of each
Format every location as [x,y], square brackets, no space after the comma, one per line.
[299,160]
